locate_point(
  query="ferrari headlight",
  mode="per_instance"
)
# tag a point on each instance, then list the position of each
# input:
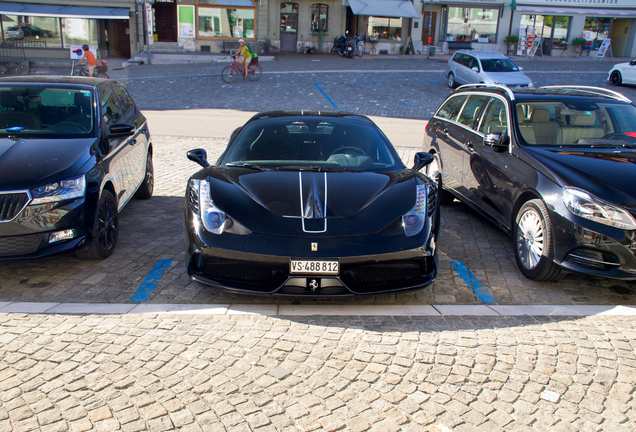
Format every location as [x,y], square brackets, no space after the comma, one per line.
[413,221]
[590,207]
[212,217]
[60,191]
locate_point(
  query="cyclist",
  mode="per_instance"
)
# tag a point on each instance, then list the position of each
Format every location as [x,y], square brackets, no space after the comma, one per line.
[90,59]
[246,55]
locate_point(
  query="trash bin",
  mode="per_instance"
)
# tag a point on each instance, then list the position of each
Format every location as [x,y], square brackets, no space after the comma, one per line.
[431,50]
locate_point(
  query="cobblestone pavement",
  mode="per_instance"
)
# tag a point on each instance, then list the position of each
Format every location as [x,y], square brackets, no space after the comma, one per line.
[253,373]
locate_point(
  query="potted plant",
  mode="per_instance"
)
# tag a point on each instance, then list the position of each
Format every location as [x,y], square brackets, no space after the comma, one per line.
[512,41]
[578,44]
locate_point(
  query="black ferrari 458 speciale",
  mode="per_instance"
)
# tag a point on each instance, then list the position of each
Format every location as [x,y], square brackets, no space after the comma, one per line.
[315,204]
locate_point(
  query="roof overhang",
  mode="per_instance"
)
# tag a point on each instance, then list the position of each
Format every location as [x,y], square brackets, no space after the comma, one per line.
[384,8]
[560,10]
[59,11]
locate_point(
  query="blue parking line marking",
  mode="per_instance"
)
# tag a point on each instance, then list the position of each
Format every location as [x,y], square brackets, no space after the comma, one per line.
[471,280]
[328,98]
[405,105]
[150,282]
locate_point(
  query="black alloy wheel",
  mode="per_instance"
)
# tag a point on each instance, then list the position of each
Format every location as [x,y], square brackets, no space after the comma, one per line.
[105,228]
[616,78]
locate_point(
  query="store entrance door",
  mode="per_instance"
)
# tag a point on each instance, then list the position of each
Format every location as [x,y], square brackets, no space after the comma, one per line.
[429,19]
[165,20]
[619,35]
[288,27]
[121,38]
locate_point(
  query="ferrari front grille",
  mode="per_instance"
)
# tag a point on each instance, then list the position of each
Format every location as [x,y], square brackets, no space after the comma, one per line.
[243,274]
[431,202]
[376,277]
[11,204]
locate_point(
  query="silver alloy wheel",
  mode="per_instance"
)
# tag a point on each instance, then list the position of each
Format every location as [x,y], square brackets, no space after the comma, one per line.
[451,80]
[530,239]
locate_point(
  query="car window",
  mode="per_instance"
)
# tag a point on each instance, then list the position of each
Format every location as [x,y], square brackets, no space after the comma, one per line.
[458,57]
[470,62]
[312,142]
[110,111]
[495,118]
[498,65]
[126,103]
[446,110]
[471,109]
[42,111]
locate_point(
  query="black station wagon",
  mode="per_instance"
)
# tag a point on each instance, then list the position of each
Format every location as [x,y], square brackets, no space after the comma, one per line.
[554,167]
[73,152]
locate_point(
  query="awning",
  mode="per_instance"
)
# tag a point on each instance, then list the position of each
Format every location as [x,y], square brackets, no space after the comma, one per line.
[63,11]
[384,8]
[558,10]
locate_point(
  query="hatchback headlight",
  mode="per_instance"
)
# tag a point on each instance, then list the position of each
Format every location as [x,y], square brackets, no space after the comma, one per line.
[413,221]
[211,216]
[60,191]
[595,209]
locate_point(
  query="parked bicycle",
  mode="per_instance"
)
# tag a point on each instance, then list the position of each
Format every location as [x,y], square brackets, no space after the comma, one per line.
[80,69]
[230,73]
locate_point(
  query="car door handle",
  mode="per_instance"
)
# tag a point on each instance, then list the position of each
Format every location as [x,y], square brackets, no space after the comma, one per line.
[470,147]
[133,142]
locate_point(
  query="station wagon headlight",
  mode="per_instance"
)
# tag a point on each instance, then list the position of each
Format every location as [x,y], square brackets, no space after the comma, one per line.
[211,216]
[413,221]
[590,207]
[60,191]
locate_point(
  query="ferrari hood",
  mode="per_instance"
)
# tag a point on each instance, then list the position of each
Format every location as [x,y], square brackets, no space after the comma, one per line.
[27,163]
[330,203]
[607,173]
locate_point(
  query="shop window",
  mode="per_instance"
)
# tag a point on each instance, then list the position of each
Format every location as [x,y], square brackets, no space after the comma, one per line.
[36,31]
[473,24]
[385,28]
[79,31]
[596,29]
[553,30]
[319,17]
[225,23]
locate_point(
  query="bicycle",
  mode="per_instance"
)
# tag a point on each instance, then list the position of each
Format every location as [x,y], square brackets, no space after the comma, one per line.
[230,73]
[99,71]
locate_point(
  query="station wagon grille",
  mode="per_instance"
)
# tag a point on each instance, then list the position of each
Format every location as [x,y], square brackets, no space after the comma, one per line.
[11,204]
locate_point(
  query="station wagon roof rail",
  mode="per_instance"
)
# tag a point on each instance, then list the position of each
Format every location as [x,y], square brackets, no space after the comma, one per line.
[594,90]
[499,86]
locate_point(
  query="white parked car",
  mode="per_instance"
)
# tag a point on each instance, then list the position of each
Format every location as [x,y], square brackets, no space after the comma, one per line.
[472,67]
[623,73]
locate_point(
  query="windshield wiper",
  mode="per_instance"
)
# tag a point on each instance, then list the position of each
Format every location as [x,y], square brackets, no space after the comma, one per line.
[247,165]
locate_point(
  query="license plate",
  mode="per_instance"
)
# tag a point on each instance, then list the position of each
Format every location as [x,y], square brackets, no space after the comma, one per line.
[314,267]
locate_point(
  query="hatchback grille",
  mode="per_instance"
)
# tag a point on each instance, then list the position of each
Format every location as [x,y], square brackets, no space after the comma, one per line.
[11,204]
[19,245]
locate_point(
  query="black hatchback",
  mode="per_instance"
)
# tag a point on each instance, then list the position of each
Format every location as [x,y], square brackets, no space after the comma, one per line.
[73,152]
[554,167]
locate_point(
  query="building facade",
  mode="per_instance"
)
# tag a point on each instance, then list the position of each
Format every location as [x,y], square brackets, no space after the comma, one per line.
[123,28]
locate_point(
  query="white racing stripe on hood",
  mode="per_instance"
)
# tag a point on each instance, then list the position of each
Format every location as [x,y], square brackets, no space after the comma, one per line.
[312,207]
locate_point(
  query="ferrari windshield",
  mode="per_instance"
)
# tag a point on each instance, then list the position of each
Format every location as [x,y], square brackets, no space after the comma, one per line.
[45,112]
[319,143]
[577,122]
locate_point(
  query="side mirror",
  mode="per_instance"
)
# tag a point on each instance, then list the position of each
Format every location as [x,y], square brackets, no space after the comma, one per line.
[120,130]
[498,141]
[199,156]
[476,69]
[520,68]
[421,160]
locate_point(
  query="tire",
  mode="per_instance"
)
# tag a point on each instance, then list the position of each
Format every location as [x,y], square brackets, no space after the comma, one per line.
[533,242]
[105,228]
[433,172]
[148,184]
[255,72]
[360,50]
[225,74]
[451,80]
[312,50]
[616,79]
